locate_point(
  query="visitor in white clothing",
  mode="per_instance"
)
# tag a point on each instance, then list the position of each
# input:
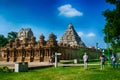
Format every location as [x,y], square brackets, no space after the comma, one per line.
[85,59]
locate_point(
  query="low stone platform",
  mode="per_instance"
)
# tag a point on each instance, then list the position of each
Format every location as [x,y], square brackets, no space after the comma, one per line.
[31,65]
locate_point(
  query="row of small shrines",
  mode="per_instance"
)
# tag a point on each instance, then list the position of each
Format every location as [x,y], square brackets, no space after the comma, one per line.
[32,51]
[42,54]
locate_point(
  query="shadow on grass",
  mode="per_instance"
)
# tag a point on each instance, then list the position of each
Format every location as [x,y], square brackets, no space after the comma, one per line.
[40,67]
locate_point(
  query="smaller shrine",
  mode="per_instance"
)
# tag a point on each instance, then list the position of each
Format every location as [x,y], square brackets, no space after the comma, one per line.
[25,33]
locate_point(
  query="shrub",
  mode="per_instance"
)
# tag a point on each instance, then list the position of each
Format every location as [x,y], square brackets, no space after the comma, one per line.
[5,69]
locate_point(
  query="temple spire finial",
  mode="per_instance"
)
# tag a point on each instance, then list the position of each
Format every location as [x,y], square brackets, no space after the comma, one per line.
[70,25]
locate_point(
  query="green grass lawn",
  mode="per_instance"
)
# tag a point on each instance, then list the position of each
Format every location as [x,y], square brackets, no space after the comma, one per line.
[65,73]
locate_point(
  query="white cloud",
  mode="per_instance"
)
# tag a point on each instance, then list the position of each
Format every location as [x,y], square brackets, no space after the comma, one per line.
[80,34]
[90,34]
[68,11]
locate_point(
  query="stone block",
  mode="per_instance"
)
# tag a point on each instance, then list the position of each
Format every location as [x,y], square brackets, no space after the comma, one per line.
[75,61]
[21,66]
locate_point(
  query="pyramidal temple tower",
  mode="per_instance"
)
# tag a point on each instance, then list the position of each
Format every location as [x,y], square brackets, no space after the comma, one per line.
[71,38]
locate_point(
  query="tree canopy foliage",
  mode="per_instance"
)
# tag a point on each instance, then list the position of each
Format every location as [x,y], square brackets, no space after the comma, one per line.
[12,35]
[3,40]
[112,26]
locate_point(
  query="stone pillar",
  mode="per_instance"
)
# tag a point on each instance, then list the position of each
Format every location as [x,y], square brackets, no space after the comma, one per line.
[37,56]
[45,56]
[11,55]
[31,56]
[23,54]
[18,55]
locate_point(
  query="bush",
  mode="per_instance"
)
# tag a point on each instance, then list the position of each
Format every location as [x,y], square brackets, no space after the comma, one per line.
[5,69]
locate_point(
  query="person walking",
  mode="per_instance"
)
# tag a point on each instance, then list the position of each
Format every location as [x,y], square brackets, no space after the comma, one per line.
[85,59]
[102,58]
[114,62]
[50,59]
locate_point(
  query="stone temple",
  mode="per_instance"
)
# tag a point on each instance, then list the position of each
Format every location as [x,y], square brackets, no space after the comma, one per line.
[25,48]
[71,38]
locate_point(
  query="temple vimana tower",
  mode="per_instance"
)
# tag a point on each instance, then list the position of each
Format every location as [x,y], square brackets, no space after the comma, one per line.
[25,48]
[71,38]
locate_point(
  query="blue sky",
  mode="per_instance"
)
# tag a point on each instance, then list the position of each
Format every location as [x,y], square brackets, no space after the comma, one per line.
[46,16]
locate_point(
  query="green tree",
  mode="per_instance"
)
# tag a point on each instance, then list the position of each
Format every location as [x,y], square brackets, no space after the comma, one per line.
[112,26]
[3,41]
[12,35]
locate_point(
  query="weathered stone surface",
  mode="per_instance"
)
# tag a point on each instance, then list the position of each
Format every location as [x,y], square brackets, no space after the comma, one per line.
[25,33]
[71,38]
